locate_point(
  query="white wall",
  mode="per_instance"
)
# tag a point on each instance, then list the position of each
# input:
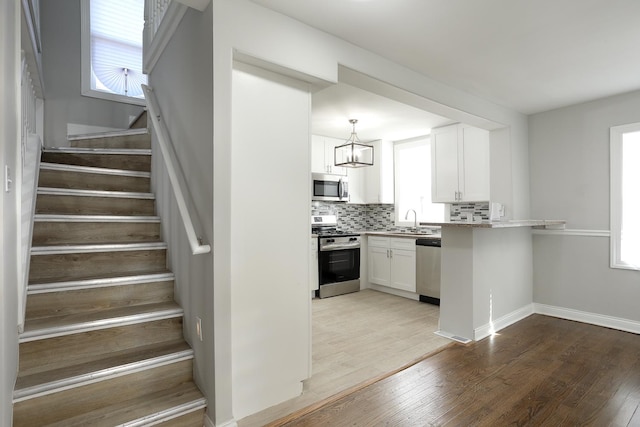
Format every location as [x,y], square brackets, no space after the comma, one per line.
[570,180]
[270,303]
[246,28]
[9,202]
[60,23]
[182,83]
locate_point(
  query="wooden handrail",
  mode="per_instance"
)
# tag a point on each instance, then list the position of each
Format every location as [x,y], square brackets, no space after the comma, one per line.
[176,176]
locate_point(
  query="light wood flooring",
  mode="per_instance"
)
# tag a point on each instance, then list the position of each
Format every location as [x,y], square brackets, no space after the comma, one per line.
[357,337]
[541,371]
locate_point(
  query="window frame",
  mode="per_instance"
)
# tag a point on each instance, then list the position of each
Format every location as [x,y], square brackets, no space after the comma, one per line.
[615,139]
[399,220]
[85,62]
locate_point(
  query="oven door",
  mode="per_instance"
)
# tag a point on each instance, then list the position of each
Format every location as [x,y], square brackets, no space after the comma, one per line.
[338,265]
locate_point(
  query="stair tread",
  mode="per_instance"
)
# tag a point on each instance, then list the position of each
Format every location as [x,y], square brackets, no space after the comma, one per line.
[78,322]
[138,408]
[58,191]
[93,170]
[115,277]
[36,379]
[94,218]
[109,134]
[98,151]
[96,247]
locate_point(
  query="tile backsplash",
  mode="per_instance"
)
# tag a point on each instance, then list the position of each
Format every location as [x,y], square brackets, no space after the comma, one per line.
[460,211]
[351,217]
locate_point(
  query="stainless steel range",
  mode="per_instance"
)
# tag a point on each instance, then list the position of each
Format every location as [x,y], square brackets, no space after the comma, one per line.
[338,257]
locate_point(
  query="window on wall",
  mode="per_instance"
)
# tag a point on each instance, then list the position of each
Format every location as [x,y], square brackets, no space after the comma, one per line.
[625,196]
[112,50]
[412,169]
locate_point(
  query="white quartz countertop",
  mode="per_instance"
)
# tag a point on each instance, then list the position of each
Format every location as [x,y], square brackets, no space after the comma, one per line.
[512,223]
[407,234]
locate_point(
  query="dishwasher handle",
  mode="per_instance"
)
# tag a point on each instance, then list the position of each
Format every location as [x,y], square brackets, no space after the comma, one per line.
[434,243]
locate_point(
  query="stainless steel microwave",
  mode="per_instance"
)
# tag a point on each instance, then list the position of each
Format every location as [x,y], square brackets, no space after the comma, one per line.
[334,188]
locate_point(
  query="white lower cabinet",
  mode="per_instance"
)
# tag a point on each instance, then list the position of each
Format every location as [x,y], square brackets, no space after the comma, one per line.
[392,262]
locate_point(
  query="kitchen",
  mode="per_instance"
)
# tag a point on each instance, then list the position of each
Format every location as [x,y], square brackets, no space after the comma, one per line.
[370,215]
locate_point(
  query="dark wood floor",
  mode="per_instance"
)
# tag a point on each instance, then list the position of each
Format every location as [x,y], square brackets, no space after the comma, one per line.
[540,371]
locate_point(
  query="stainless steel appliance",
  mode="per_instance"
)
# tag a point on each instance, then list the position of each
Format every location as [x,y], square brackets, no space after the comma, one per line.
[428,269]
[329,187]
[338,258]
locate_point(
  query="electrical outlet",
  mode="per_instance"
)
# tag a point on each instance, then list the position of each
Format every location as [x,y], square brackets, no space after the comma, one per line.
[199,327]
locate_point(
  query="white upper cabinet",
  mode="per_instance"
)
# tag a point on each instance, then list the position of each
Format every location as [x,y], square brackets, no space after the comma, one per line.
[459,164]
[379,177]
[322,155]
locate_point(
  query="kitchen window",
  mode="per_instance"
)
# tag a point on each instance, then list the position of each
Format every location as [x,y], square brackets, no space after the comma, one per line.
[111,50]
[625,196]
[412,170]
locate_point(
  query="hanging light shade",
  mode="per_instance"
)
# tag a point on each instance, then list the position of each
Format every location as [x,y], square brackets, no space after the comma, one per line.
[353,153]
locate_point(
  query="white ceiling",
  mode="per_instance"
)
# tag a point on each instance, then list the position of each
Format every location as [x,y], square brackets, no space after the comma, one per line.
[529,55]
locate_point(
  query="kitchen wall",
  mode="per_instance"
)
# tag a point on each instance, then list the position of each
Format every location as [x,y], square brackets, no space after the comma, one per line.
[569,151]
[60,23]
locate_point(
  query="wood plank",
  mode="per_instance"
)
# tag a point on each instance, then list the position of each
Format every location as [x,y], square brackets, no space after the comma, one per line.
[65,404]
[134,162]
[83,205]
[540,371]
[65,233]
[54,353]
[76,265]
[86,300]
[92,181]
[125,141]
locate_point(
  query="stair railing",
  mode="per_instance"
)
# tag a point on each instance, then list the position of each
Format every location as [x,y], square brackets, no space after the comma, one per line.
[176,177]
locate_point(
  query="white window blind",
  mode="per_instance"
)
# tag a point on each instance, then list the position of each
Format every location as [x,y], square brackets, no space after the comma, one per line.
[413,182]
[116,28]
[625,196]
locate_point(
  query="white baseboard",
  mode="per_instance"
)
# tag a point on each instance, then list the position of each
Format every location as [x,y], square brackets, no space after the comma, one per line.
[209,423]
[502,322]
[393,291]
[586,317]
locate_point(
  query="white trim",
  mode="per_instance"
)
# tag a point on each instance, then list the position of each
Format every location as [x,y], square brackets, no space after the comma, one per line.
[502,322]
[573,232]
[160,40]
[453,337]
[619,323]
[85,62]
[393,291]
[209,423]
[615,139]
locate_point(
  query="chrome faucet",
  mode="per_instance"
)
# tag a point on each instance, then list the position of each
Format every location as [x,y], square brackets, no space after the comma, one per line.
[415,218]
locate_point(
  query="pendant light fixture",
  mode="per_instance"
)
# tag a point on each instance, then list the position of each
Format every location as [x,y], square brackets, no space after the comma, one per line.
[353,153]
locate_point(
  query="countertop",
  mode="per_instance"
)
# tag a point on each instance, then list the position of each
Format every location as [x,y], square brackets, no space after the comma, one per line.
[406,234]
[534,223]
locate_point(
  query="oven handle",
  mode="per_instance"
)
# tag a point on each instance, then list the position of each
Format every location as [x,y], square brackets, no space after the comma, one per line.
[340,247]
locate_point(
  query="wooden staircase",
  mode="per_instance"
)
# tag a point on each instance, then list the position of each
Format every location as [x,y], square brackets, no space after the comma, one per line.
[102,342]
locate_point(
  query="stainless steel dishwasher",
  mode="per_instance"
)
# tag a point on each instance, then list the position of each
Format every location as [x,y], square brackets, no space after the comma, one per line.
[428,269]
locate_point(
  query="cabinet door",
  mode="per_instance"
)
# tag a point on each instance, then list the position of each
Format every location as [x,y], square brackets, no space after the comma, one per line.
[356,185]
[444,165]
[329,154]
[403,269]
[317,155]
[379,177]
[474,169]
[379,267]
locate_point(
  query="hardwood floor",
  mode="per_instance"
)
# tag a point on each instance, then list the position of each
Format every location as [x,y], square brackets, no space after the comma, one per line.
[539,371]
[357,337]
